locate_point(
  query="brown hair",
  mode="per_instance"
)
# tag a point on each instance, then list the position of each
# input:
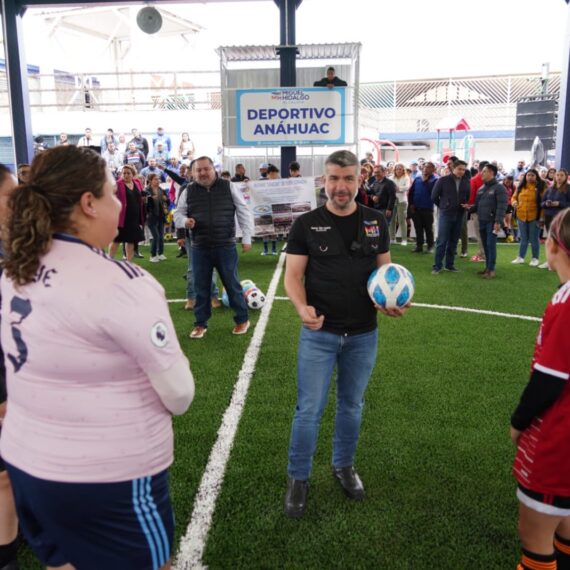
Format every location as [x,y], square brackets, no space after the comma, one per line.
[58,178]
[564,187]
[129,167]
[560,230]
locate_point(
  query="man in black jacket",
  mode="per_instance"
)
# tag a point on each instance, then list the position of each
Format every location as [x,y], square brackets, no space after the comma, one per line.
[331,252]
[331,80]
[383,192]
[450,194]
[208,207]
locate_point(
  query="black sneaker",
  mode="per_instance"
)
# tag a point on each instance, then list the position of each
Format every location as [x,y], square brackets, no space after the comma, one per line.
[139,255]
[295,503]
[350,482]
[452,269]
[435,271]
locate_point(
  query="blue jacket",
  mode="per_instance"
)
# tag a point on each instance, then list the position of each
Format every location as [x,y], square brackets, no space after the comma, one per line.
[554,195]
[419,195]
[446,196]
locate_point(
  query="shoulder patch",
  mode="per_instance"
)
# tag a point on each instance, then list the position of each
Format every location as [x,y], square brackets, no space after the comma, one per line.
[159,335]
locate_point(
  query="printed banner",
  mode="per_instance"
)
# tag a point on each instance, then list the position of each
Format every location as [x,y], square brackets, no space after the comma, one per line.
[291,116]
[276,204]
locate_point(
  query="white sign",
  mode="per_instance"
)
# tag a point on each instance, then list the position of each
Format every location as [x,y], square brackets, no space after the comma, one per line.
[276,204]
[291,116]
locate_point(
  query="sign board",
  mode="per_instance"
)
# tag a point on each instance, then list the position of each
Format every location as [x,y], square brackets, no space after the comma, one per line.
[291,116]
[276,204]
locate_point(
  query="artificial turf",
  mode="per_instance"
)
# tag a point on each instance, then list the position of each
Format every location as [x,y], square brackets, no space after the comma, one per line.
[434,453]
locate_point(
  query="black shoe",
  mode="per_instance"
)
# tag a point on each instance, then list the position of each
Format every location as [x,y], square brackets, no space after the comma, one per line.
[13,565]
[181,253]
[429,250]
[350,482]
[452,269]
[139,255]
[417,250]
[296,498]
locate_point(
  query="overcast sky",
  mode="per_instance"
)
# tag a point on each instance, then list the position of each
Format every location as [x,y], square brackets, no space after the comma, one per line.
[405,39]
[401,39]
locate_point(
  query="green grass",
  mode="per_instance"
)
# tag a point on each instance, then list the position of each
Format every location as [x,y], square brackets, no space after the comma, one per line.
[434,454]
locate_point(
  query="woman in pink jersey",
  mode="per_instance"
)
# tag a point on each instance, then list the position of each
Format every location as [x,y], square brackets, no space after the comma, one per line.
[92,379]
[540,426]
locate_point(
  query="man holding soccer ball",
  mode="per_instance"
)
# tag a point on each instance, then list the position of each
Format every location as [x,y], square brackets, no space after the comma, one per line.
[331,251]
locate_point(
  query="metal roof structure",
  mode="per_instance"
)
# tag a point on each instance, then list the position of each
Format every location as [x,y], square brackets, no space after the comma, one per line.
[232,54]
[111,22]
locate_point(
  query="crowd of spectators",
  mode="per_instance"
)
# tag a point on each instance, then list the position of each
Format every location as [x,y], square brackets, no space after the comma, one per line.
[409,193]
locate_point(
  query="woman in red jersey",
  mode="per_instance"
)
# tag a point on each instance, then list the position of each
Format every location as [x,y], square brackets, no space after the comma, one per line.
[540,426]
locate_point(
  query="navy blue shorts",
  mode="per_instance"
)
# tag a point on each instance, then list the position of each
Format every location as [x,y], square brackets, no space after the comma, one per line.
[115,526]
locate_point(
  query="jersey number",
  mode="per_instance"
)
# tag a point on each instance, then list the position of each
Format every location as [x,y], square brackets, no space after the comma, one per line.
[19,308]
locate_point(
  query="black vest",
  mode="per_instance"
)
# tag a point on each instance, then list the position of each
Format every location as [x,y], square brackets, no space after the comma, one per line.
[336,279]
[214,212]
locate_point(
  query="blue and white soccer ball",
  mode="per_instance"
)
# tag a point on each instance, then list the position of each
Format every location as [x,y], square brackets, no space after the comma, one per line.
[247,284]
[391,286]
[254,298]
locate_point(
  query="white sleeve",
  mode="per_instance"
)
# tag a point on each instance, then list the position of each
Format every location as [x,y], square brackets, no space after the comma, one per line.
[175,386]
[244,217]
[181,211]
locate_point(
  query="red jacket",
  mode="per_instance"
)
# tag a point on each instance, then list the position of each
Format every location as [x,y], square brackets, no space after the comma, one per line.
[476,183]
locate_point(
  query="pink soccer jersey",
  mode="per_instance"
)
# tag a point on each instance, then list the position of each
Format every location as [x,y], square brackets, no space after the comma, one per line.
[79,343]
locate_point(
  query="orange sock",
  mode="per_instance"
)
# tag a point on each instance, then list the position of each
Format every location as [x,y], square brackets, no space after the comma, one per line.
[533,561]
[562,549]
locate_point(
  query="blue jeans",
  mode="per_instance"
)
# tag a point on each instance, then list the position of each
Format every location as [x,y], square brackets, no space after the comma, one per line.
[529,232]
[190,293]
[448,232]
[156,227]
[489,240]
[225,259]
[319,352]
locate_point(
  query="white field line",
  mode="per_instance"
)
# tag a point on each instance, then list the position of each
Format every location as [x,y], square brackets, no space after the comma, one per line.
[461,310]
[194,541]
[440,307]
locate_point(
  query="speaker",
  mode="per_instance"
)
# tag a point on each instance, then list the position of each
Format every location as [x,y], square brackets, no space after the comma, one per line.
[536,117]
[149,20]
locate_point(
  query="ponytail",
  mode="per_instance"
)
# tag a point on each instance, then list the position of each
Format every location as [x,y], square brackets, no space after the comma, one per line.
[58,178]
[29,233]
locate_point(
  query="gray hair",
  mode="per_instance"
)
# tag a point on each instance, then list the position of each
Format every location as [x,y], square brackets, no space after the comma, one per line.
[342,158]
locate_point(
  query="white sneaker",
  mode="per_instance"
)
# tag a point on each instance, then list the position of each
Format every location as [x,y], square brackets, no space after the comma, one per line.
[392,241]
[534,262]
[162,257]
[544,265]
[404,243]
[517,261]
[154,259]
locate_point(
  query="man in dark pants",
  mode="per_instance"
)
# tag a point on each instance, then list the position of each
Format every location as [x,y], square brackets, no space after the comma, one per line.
[383,192]
[208,208]
[450,194]
[421,205]
[331,252]
[490,206]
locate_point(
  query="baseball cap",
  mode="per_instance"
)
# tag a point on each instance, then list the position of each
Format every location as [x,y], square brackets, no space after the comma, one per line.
[263,165]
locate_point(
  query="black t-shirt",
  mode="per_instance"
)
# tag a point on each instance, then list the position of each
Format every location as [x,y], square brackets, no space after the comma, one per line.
[346,225]
[342,253]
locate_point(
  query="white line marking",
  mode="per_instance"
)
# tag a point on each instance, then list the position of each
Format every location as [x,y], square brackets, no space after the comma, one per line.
[462,310]
[194,541]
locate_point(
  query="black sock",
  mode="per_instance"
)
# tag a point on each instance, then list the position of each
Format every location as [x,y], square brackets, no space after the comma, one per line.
[562,549]
[533,561]
[8,552]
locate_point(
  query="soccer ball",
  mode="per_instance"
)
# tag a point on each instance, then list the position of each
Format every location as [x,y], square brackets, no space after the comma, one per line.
[254,298]
[225,298]
[391,286]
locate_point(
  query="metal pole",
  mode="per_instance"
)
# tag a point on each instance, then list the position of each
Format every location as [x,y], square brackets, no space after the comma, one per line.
[17,75]
[563,132]
[288,73]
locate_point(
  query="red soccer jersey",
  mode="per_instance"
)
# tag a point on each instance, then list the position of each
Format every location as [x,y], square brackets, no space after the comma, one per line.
[542,463]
